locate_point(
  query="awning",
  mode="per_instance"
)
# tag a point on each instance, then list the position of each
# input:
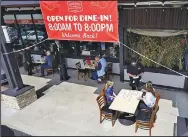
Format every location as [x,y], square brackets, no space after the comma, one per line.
[7,3]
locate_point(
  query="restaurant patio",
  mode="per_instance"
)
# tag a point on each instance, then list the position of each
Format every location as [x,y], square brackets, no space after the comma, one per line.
[70,108]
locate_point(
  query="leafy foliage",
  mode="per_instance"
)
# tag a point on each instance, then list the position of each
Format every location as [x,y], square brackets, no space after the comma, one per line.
[166,51]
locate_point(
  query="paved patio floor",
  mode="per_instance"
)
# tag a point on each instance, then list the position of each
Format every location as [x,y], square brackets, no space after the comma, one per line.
[70,108]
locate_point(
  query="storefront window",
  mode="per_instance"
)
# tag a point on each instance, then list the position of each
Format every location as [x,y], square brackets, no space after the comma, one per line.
[39,24]
[90,48]
[27,29]
[13,30]
[110,50]
[68,47]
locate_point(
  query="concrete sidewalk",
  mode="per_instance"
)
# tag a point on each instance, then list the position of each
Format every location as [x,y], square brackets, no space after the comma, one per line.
[70,108]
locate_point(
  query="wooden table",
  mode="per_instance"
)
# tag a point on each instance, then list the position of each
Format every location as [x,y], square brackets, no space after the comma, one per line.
[126,101]
[91,67]
[39,61]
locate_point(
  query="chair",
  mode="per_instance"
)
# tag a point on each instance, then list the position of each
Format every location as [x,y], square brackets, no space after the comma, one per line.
[148,122]
[105,112]
[108,71]
[54,67]
[35,66]
[81,71]
[102,92]
[158,96]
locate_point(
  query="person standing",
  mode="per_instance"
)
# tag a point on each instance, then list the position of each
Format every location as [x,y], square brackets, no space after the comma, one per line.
[135,71]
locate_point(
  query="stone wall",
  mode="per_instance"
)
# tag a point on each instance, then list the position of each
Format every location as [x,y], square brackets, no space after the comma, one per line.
[20,101]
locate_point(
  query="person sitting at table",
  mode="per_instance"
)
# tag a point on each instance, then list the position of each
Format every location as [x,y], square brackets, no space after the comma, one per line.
[109,92]
[48,62]
[148,98]
[100,66]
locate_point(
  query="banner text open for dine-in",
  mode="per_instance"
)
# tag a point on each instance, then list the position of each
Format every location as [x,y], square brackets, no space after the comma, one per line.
[92,23]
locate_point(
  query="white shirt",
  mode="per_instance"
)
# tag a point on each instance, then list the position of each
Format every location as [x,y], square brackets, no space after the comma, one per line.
[149,99]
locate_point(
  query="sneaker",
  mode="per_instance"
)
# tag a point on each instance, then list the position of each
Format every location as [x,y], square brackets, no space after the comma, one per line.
[92,78]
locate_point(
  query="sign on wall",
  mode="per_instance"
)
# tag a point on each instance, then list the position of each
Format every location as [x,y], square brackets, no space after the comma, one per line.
[81,20]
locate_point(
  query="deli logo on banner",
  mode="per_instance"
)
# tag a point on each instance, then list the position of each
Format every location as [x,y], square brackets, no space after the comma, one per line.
[81,20]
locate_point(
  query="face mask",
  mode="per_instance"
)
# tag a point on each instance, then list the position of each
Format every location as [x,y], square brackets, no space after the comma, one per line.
[133,63]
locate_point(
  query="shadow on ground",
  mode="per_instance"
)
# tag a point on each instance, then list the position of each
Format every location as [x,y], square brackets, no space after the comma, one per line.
[6,131]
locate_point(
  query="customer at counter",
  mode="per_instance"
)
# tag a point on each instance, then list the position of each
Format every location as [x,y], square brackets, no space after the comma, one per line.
[48,62]
[100,65]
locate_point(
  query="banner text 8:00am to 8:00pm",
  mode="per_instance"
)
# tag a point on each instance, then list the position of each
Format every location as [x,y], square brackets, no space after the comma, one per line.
[94,27]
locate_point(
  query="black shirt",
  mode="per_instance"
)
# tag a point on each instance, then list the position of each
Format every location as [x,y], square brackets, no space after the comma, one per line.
[135,70]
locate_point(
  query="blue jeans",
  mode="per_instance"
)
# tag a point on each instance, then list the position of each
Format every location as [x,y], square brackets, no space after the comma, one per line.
[44,66]
[94,75]
[143,106]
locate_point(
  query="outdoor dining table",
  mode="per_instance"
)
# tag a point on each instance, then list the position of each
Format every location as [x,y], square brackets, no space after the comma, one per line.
[91,66]
[126,101]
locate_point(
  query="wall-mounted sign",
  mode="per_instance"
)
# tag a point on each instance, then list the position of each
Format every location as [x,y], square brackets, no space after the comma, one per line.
[81,20]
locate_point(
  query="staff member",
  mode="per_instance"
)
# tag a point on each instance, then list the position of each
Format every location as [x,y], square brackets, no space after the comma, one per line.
[135,71]
[48,62]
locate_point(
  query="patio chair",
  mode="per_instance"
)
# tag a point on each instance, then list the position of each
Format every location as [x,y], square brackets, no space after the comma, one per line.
[102,93]
[105,112]
[148,121]
[80,71]
[35,66]
[158,96]
[53,68]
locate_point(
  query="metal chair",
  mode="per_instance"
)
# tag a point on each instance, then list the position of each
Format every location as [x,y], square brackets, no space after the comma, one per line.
[80,71]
